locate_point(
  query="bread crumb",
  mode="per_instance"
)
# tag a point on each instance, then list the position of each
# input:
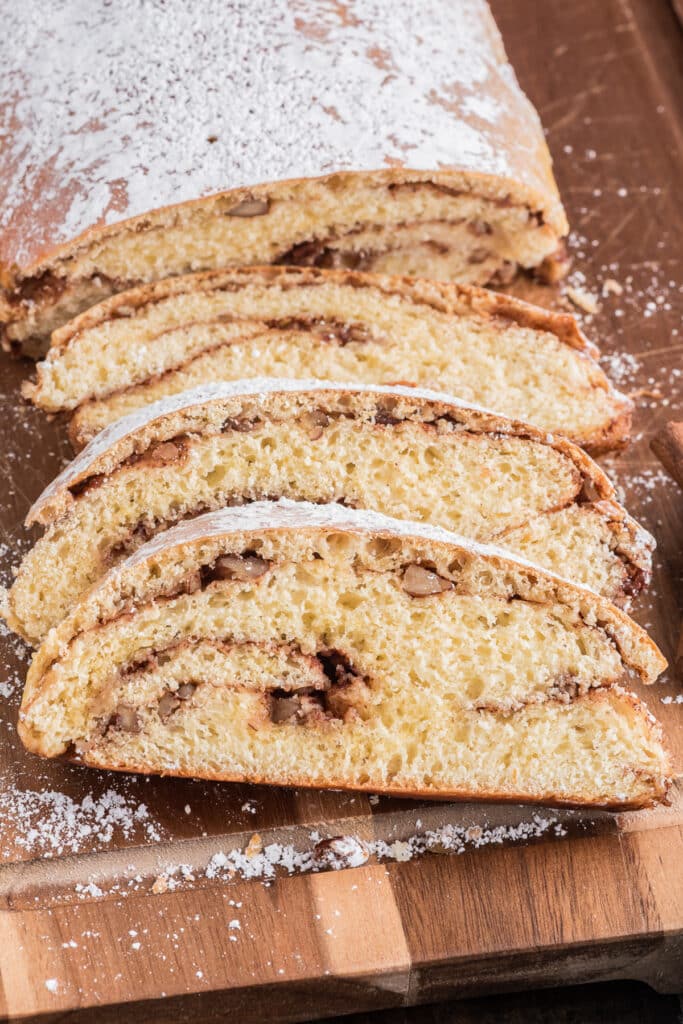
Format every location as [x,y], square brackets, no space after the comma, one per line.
[254,846]
[611,287]
[583,299]
[160,885]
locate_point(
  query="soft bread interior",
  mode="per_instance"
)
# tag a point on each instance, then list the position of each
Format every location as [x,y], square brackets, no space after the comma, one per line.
[146,340]
[416,227]
[443,693]
[232,724]
[524,493]
[329,331]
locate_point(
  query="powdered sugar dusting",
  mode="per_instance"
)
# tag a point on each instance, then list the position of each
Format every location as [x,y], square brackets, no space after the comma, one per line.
[449,838]
[296,515]
[118,108]
[12,645]
[53,824]
[621,367]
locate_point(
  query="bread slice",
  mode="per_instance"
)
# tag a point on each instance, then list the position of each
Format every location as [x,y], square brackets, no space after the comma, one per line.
[320,646]
[396,139]
[408,453]
[499,352]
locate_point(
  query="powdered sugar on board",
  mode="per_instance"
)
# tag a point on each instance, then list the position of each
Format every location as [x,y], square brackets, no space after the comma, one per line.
[52,824]
[265,858]
[350,852]
[117,108]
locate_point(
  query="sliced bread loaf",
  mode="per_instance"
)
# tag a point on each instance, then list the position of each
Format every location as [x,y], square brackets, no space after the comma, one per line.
[320,646]
[283,322]
[408,453]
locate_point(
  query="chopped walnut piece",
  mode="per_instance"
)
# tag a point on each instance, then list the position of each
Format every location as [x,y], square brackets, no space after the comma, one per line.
[314,423]
[192,583]
[172,699]
[421,582]
[167,705]
[304,706]
[250,208]
[185,690]
[240,567]
[164,453]
[125,718]
[241,426]
[284,709]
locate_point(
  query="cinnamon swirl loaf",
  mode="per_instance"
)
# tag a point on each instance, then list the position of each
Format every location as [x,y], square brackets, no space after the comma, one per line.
[160,339]
[408,453]
[322,646]
[383,136]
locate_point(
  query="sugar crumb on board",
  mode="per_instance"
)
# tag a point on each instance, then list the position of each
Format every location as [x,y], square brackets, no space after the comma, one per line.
[354,852]
[627,292]
[641,483]
[582,298]
[11,676]
[274,859]
[621,368]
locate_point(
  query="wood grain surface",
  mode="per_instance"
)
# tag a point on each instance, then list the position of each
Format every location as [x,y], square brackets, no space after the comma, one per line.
[667,444]
[82,932]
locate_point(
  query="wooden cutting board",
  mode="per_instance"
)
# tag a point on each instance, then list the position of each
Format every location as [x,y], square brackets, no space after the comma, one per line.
[118,890]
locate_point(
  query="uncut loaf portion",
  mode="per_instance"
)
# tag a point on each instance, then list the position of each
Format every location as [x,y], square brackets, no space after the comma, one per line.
[408,453]
[303,645]
[391,137]
[490,349]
